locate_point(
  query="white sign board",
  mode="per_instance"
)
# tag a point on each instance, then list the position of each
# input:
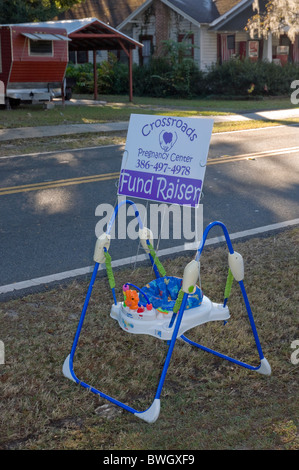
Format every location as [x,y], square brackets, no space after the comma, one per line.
[165,158]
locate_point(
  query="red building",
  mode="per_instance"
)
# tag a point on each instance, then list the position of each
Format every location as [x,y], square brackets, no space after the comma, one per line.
[33,61]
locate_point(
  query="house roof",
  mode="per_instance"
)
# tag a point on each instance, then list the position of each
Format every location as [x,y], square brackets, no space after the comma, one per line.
[118,13]
[237,23]
[196,11]
[36,29]
[204,11]
[111,12]
[237,17]
[225,5]
[189,9]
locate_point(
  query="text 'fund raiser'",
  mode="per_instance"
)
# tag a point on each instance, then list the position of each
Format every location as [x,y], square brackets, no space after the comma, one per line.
[165,159]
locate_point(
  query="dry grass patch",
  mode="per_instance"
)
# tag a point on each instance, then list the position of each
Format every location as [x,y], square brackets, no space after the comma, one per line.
[206,403]
[97,139]
[63,142]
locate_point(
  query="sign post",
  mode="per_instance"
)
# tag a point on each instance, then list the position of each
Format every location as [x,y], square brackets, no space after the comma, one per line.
[165,158]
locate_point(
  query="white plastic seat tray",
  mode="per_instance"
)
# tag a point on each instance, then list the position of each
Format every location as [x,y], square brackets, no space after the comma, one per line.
[157,324]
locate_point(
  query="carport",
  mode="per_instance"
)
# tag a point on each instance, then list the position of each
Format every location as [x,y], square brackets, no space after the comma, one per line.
[91,34]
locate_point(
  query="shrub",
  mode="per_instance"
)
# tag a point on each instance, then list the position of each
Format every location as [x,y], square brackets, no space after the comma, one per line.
[162,77]
[106,76]
[244,78]
[83,75]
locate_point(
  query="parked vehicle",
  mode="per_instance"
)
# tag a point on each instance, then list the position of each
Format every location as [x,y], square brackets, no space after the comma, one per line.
[33,61]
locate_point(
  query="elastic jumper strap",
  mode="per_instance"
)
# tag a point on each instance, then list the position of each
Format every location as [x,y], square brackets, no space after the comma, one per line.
[176,307]
[110,275]
[156,261]
[228,286]
[178,301]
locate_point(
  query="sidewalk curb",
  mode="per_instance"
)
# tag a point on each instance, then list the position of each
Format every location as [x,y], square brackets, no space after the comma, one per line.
[51,131]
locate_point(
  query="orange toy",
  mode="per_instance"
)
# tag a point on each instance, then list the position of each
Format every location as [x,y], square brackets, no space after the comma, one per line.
[131,299]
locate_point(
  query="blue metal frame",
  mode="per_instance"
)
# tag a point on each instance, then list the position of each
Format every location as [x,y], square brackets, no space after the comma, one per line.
[178,318]
[246,301]
[82,317]
[166,363]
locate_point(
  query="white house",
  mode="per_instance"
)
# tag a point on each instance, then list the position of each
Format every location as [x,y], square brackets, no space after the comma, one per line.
[215,29]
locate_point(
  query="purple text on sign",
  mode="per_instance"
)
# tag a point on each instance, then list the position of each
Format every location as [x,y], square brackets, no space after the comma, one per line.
[162,188]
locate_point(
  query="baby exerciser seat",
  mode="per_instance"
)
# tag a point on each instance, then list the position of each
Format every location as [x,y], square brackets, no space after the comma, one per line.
[166,308]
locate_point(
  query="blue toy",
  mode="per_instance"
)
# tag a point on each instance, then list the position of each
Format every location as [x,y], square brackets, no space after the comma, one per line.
[165,308]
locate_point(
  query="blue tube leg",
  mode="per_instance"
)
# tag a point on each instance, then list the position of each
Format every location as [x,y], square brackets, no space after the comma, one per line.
[171,346]
[251,320]
[77,335]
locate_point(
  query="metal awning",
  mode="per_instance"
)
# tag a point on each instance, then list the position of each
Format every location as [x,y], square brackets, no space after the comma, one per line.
[46,37]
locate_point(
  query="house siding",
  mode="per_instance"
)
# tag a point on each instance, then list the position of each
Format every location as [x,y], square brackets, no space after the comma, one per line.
[208,54]
[180,25]
[176,25]
[242,36]
[161,22]
[142,28]
[23,72]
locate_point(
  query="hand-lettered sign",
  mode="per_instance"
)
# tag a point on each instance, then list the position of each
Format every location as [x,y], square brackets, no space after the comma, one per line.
[165,158]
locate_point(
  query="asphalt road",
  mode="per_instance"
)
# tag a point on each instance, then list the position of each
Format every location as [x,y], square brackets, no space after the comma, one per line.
[49,201]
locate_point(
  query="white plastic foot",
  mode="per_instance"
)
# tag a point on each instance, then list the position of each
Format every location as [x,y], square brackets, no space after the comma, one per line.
[264,368]
[152,413]
[66,369]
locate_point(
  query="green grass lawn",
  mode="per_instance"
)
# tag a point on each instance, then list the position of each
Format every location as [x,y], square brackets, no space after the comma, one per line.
[206,403]
[118,108]
[214,105]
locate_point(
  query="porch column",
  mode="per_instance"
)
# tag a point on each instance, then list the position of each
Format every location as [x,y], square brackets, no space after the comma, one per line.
[63,83]
[130,75]
[267,49]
